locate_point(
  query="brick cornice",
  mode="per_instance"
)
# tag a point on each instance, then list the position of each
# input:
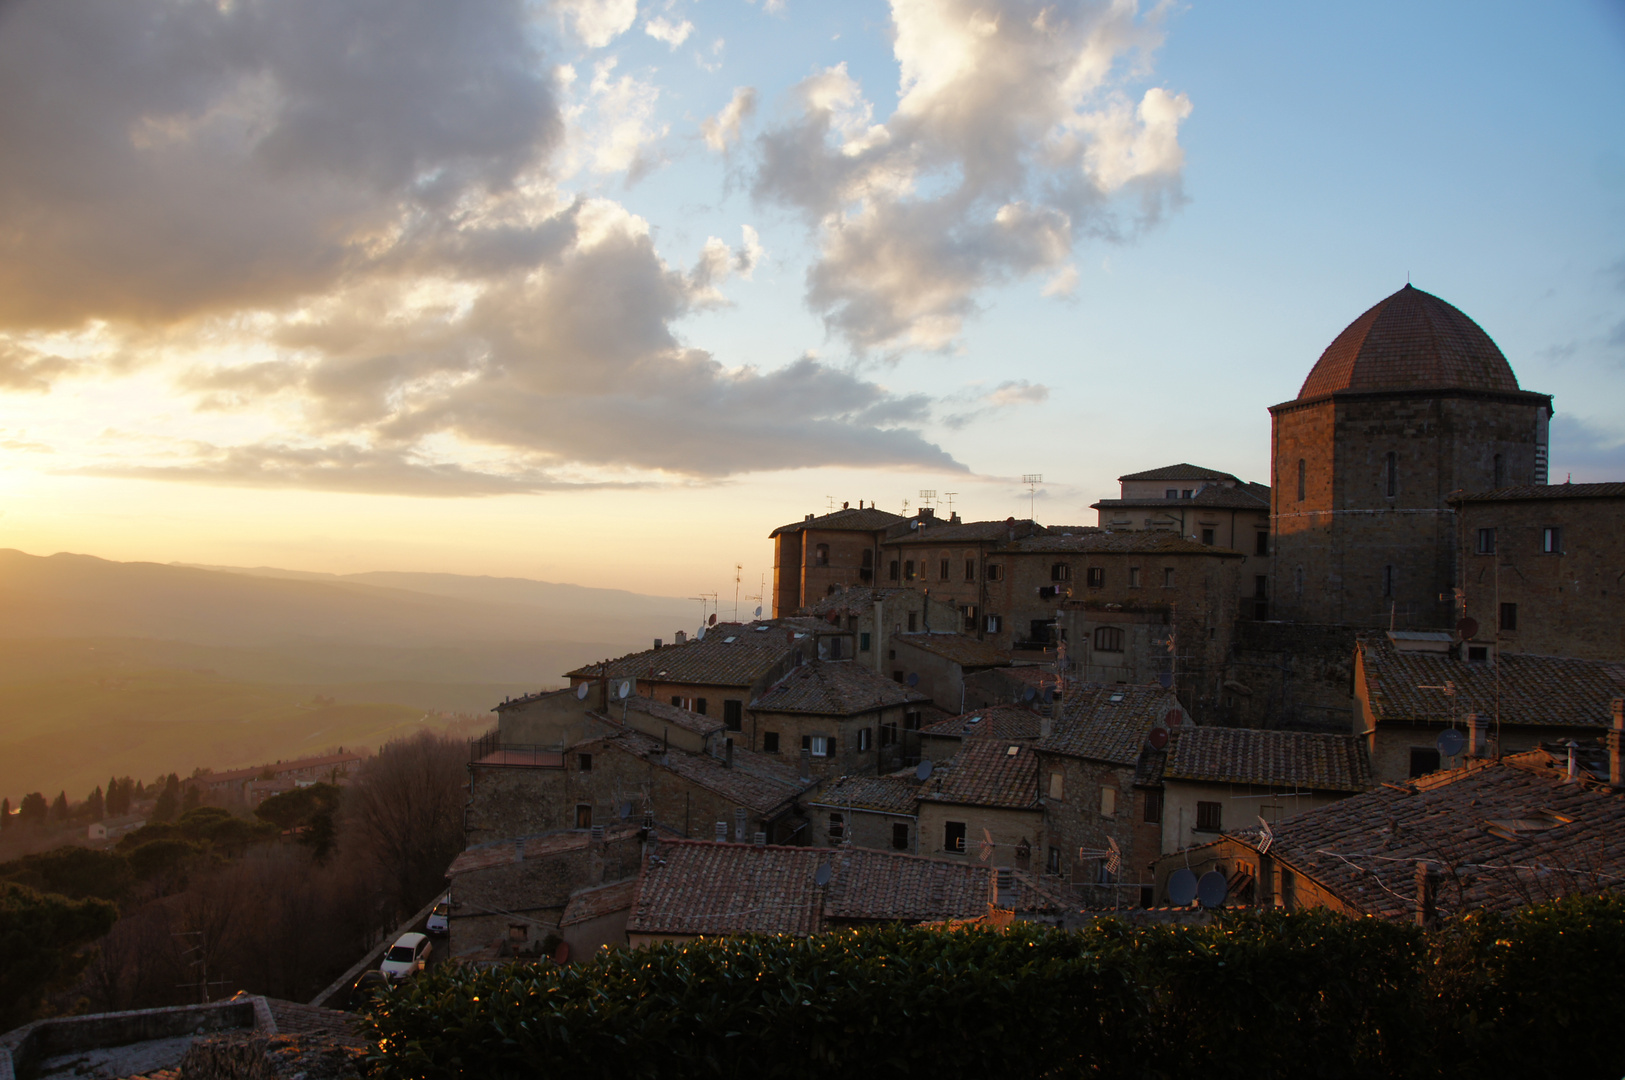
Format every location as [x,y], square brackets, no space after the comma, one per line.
[1339,397]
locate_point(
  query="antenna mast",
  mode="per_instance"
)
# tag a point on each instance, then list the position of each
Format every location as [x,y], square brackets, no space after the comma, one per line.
[739,569]
[950,497]
[1032,480]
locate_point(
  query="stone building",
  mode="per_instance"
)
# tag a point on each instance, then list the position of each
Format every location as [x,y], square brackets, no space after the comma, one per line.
[1016,723]
[937,663]
[816,556]
[839,716]
[1410,403]
[876,812]
[873,616]
[984,805]
[1538,568]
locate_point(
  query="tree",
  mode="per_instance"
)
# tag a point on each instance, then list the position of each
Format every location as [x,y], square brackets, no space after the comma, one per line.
[59,808]
[166,806]
[73,871]
[95,808]
[305,812]
[404,815]
[43,937]
[192,799]
[34,809]
[5,814]
[118,796]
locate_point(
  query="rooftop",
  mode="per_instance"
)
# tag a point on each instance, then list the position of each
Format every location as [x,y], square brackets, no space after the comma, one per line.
[1269,758]
[1182,471]
[995,722]
[1551,691]
[588,904]
[519,849]
[1503,833]
[1532,492]
[1151,542]
[1245,497]
[867,519]
[1109,723]
[853,600]
[833,688]
[762,783]
[893,794]
[987,772]
[730,654]
[676,716]
[966,532]
[961,649]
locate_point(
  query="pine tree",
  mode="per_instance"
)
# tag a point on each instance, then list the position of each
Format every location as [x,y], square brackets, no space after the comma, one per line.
[114,808]
[164,809]
[59,809]
[95,806]
[33,808]
[193,798]
[5,814]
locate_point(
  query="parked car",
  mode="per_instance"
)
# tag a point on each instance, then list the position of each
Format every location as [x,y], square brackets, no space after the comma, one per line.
[439,918]
[366,983]
[407,956]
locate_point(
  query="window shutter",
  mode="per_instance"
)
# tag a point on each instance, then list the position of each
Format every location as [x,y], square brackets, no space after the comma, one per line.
[831,745]
[806,742]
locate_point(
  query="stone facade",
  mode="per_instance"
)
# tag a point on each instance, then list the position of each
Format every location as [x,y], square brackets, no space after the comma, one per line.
[1290,675]
[1079,815]
[1018,835]
[865,743]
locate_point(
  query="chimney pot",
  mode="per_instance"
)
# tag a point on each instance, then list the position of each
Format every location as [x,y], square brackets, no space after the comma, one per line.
[1574,763]
[761,839]
[680,638]
[722,832]
[657,644]
[1475,735]
[1616,771]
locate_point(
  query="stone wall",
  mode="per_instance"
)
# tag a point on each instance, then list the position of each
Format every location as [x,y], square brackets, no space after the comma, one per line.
[1290,675]
[1076,820]
[254,1056]
[1010,829]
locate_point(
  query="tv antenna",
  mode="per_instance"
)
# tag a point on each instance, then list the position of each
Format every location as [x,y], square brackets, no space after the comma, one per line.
[706,599]
[829,503]
[739,570]
[1032,480]
[928,496]
[949,495]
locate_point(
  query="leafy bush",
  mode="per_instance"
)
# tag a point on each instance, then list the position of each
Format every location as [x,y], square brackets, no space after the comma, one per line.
[43,939]
[72,871]
[1252,994]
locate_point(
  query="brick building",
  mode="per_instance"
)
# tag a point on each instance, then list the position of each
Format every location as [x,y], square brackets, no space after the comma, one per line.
[943,739]
[814,557]
[937,663]
[875,812]
[1538,568]
[987,794]
[838,715]
[872,616]
[1411,402]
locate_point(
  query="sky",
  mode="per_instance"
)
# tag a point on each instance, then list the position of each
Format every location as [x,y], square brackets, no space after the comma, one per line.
[602,291]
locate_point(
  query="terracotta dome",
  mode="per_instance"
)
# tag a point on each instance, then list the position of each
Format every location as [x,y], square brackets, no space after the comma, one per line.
[1412,339]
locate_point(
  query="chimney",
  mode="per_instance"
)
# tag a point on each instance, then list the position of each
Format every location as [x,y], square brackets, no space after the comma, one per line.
[1476,736]
[1616,773]
[761,839]
[806,764]
[1574,764]
[1427,895]
[657,644]
[722,832]
[927,513]
[728,755]
[1010,524]
[681,637]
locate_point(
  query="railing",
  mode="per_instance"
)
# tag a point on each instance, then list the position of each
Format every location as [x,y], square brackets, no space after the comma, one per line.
[491,742]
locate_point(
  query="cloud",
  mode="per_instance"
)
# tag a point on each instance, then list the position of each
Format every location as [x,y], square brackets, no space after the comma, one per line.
[723,128]
[1593,453]
[673,34]
[598,22]
[1013,135]
[29,370]
[1008,394]
[625,130]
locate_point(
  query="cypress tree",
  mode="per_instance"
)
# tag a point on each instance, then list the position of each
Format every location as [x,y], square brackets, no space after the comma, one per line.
[59,808]
[5,814]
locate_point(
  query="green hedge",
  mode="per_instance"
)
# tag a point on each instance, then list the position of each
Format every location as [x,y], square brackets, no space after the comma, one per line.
[1251,995]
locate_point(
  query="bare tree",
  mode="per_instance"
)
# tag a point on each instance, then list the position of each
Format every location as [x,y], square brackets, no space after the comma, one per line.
[403,815]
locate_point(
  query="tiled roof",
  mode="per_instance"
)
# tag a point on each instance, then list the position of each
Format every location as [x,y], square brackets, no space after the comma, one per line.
[1209,498]
[833,688]
[988,772]
[1410,339]
[688,720]
[961,649]
[702,887]
[759,782]
[730,654]
[1109,723]
[1178,472]
[1538,690]
[602,900]
[995,721]
[1147,541]
[1031,894]
[520,849]
[1503,834]
[866,520]
[894,794]
[1272,758]
[1528,492]
[853,600]
[941,533]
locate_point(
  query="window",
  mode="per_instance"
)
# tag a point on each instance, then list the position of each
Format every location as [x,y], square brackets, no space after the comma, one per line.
[1167,577]
[969,611]
[1153,807]
[583,815]
[1052,863]
[863,739]
[677,701]
[1207,537]
[1261,587]
[953,836]
[733,715]
[1486,542]
[834,649]
[1108,801]
[1424,760]
[1478,654]
[970,569]
[911,721]
[1261,544]
[699,705]
[908,570]
[1209,816]
[888,733]
[896,676]
[1391,474]
[995,624]
[1551,540]
[1185,494]
[584,762]
[995,572]
[868,559]
[837,826]
[892,570]
[1388,580]
[770,742]
[1096,577]
[820,745]
[1057,787]
[1060,572]
[1109,639]
[1509,616]
[913,621]
[863,643]
[899,836]
[1170,493]
[942,571]
[821,555]
[1303,475]
[1038,631]
[1134,577]
[1500,471]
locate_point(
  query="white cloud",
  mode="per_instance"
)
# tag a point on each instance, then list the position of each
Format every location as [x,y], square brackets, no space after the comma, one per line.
[598,22]
[624,130]
[723,128]
[663,29]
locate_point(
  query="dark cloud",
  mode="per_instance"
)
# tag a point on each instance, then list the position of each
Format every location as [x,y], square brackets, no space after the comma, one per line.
[29,370]
[1586,452]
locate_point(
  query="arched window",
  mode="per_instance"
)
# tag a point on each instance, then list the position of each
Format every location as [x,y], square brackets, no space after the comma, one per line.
[908,570]
[1302,475]
[1500,471]
[1393,474]
[1108,639]
[821,555]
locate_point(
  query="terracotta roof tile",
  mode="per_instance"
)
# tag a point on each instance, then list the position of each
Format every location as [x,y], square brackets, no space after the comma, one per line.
[965,532]
[759,782]
[987,772]
[961,649]
[1530,492]
[1147,541]
[853,600]
[833,688]
[868,519]
[996,722]
[894,794]
[588,904]
[687,719]
[1549,691]
[1109,723]
[1181,471]
[730,654]
[1270,758]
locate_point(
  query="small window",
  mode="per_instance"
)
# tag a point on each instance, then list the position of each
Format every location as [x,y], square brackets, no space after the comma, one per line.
[820,745]
[1261,587]
[1261,544]
[1170,493]
[863,643]
[896,676]
[995,624]
[969,611]
[677,701]
[913,622]
[1207,537]
[1185,494]
[1060,572]
[970,569]
[1052,862]
[1167,577]
[733,714]
[770,742]
[584,762]
[943,571]
[1478,654]
[1509,616]
[834,650]
[995,572]
[1056,786]
[888,733]
[1551,540]
[1134,577]
[899,836]
[1391,471]
[1096,577]
[1209,816]
[1153,807]
[699,705]
[821,555]
[868,559]
[1424,760]
[1303,474]
[583,815]
[908,570]
[1486,541]
[1388,580]
[1108,801]
[837,826]
[953,836]
[911,721]
[1109,639]
[863,739]
[892,571]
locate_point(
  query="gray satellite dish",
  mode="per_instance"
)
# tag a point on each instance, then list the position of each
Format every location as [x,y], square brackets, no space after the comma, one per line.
[1450,742]
[1181,887]
[699,635]
[913,679]
[923,771]
[581,692]
[1029,694]
[624,690]
[1212,889]
[758,611]
[823,874]
[1165,679]
[626,810]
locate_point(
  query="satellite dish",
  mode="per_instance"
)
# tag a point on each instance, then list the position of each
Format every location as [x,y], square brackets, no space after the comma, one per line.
[1450,742]
[712,621]
[913,525]
[624,690]
[1181,887]
[758,614]
[1212,889]
[913,679]
[626,810]
[822,875]
[1467,629]
[1166,679]
[1049,695]
[1174,718]
[581,692]
[923,772]
[1159,738]
[699,635]
[1029,694]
